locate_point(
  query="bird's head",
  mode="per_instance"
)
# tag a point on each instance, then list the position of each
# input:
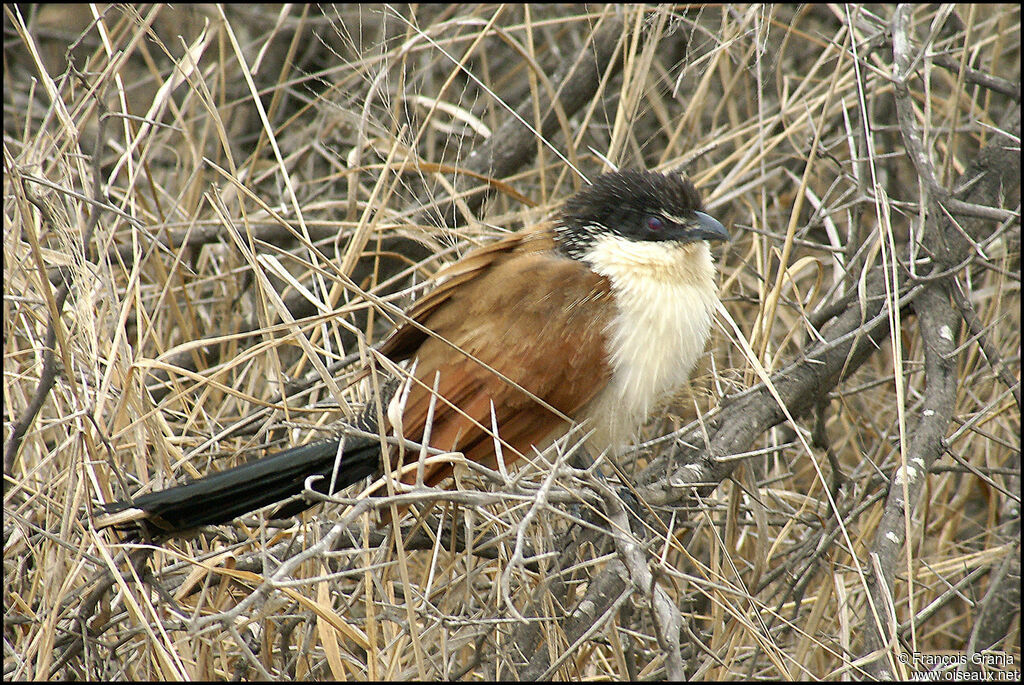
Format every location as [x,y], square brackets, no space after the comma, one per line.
[636,207]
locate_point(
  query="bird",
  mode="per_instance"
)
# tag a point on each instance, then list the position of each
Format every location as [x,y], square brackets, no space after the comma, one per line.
[595,316]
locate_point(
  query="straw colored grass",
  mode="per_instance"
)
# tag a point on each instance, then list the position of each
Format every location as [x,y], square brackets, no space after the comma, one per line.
[212,214]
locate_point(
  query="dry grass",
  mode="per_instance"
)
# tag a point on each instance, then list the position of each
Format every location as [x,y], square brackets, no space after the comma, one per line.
[221,208]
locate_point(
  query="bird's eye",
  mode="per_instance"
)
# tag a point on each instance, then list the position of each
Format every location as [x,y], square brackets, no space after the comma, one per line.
[655,224]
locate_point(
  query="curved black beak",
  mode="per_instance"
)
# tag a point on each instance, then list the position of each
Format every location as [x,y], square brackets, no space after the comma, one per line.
[709,228]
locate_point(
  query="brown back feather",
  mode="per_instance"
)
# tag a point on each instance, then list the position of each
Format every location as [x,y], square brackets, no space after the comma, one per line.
[531,315]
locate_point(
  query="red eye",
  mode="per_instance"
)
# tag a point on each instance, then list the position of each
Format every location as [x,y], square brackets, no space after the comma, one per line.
[655,224]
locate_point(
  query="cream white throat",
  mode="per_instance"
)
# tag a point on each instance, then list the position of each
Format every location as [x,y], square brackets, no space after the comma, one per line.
[665,297]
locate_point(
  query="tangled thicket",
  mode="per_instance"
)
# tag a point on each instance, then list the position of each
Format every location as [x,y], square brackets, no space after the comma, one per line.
[210,214]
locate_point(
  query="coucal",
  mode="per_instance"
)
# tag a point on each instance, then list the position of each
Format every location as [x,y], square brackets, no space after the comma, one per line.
[596,316]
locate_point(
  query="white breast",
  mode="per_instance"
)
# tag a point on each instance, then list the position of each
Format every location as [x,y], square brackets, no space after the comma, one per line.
[665,298]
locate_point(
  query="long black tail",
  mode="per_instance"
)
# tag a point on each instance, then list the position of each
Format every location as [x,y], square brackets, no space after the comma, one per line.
[220,497]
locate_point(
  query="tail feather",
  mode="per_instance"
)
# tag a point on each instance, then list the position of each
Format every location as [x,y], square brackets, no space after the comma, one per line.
[223,496]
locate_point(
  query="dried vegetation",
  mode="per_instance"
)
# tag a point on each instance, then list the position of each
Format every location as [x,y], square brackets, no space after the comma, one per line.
[211,214]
